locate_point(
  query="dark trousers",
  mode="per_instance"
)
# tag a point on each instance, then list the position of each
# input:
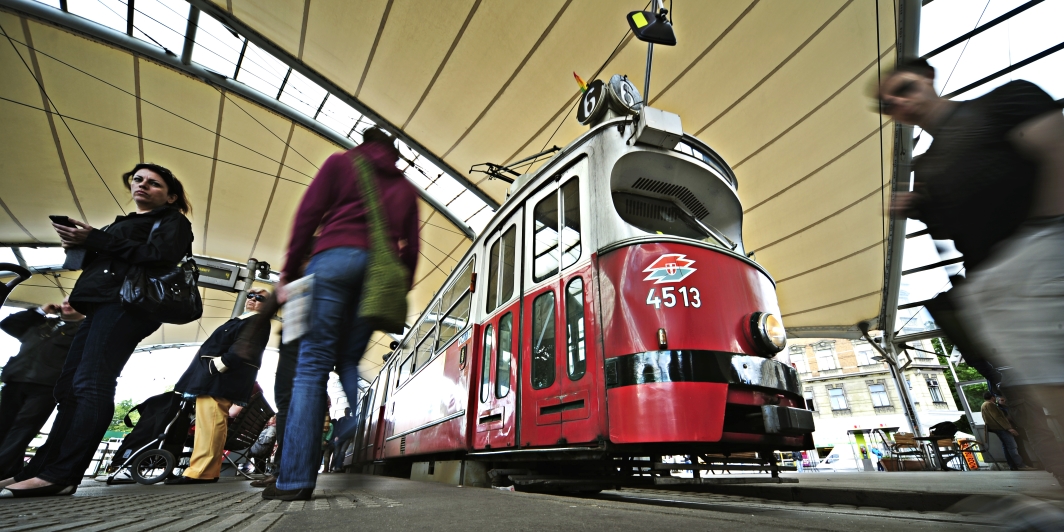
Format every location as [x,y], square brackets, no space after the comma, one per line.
[86,392]
[24,408]
[288,355]
[1012,453]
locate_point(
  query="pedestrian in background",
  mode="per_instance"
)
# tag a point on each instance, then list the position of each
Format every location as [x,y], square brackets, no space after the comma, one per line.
[335,209]
[28,396]
[997,422]
[157,234]
[219,379]
[993,182]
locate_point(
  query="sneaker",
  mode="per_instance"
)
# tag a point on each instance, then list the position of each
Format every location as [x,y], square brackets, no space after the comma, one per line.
[271,493]
[263,482]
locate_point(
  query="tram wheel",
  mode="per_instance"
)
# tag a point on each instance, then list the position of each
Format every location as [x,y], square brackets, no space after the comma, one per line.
[153,466]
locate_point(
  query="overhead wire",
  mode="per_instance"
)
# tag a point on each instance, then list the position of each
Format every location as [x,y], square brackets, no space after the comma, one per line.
[965,47]
[11,41]
[613,54]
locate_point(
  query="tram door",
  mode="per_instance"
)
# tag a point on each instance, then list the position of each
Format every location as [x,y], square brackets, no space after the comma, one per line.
[496,420]
[557,394]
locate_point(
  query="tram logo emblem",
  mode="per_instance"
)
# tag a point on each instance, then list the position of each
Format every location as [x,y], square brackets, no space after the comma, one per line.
[670,268]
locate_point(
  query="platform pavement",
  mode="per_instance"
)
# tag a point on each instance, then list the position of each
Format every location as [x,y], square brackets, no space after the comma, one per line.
[357,502]
[912,490]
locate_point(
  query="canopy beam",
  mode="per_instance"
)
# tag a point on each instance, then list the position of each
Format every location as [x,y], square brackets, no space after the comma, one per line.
[109,36]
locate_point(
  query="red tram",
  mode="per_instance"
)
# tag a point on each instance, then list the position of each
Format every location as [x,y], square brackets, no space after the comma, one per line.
[608,311]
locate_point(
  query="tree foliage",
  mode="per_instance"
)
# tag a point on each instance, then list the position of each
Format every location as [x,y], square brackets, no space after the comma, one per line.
[943,347]
[118,422]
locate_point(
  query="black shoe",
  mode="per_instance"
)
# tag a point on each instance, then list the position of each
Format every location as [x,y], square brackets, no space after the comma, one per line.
[44,491]
[263,482]
[177,481]
[271,493]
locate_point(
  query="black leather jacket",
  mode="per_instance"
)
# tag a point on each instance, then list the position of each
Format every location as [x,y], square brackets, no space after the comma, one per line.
[238,381]
[45,343]
[113,249]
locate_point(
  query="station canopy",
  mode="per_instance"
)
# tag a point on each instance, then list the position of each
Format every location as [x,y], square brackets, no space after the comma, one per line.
[779,88]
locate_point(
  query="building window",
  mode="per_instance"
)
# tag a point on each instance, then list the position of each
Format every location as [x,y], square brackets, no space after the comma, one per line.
[838,399]
[864,354]
[936,394]
[798,361]
[810,400]
[825,359]
[879,395]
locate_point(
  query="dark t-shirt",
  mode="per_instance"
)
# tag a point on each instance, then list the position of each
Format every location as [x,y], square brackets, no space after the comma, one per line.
[975,186]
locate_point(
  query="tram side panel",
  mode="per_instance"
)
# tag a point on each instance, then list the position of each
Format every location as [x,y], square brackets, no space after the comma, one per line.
[427,414]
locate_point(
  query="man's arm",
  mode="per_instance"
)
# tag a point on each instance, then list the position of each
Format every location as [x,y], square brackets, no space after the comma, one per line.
[1042,140]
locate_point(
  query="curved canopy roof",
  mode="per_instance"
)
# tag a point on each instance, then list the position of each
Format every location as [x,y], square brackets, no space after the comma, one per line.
[778,88]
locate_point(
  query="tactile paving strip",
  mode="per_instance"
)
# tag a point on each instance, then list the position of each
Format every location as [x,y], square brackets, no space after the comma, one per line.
[97,510]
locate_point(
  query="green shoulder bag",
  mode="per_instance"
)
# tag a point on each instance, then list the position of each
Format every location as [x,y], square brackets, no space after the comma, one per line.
[384,287]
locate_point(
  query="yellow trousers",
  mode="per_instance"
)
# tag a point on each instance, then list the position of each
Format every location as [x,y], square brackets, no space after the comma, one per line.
[212,426]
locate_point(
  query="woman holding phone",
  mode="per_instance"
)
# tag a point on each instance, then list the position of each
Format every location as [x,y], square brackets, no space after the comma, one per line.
[107,337]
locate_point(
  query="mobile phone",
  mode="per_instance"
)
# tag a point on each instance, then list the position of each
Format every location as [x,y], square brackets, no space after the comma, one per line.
[61,220]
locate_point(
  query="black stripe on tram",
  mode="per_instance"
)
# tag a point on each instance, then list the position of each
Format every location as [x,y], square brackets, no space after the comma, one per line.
[700,366]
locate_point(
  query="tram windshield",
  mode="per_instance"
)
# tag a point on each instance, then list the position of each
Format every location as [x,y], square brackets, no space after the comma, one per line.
[658,193]
[659,216]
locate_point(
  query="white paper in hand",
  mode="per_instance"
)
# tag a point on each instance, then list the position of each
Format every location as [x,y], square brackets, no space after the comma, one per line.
[297,309]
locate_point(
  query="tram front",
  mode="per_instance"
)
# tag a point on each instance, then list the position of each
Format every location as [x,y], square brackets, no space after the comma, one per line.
[689,323]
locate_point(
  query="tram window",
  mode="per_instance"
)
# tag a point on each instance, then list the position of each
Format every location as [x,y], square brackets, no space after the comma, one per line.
[501,264]
[404,371]
[660,216]
[570,193]
[504,356]
[485,367]
[545,247]
[543,340]
[456,303]
[423,354]
[574,327]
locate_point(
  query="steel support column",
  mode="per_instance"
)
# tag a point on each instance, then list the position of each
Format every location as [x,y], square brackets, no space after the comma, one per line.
[908,39]
[238,306]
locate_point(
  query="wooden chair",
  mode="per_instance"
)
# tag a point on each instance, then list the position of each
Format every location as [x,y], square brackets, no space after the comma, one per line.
[245,429]
[906,449]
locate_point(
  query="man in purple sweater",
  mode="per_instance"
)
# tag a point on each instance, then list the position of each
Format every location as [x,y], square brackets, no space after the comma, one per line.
[334,209]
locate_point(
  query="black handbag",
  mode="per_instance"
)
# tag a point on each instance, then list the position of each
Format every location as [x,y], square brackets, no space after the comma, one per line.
[164,293]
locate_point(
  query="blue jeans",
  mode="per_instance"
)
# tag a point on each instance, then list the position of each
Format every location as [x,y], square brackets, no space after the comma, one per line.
[85,392]
[335,338]
[1012,452]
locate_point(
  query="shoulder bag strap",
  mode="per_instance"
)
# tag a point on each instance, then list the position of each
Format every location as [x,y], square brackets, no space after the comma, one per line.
[378,225]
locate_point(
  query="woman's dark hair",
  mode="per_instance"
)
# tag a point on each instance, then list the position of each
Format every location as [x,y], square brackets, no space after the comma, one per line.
[173,186]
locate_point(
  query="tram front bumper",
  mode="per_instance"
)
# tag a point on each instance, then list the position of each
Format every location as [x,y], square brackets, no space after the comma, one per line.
[786,420]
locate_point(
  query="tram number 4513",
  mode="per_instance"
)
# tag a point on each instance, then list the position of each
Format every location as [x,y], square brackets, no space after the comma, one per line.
[691,297]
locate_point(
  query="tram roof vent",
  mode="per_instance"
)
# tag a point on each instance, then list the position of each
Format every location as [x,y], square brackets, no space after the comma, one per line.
[679,192]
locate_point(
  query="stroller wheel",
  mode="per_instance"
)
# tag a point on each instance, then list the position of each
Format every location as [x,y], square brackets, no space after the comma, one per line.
[153,466]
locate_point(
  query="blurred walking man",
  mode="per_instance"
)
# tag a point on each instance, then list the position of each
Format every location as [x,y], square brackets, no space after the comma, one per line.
[993,182]
[334,209]
[27,399]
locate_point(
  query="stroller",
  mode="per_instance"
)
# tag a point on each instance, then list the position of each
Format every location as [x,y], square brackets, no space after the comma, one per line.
[152,449]
[155,446]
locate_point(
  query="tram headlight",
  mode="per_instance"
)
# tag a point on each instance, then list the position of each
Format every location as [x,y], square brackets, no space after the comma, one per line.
[768,333]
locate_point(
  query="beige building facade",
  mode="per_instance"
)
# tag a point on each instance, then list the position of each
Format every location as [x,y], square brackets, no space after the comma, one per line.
[848,389]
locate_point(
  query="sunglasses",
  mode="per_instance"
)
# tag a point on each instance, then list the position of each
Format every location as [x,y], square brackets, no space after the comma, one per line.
[905,88]
[257,297]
